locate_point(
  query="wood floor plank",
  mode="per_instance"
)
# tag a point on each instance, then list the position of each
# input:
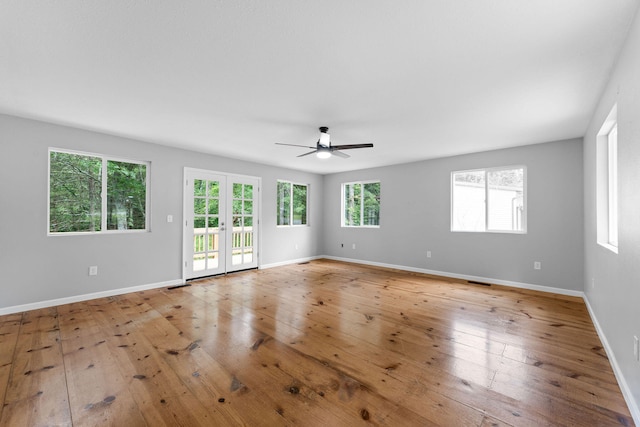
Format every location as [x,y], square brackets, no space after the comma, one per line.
[158,392]
[270,380]
[37,391]
[9,329]
[284,372]
[98,393]
[360,360]
[321,343]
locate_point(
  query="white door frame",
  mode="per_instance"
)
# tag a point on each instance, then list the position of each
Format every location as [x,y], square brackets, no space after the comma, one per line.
[185,196]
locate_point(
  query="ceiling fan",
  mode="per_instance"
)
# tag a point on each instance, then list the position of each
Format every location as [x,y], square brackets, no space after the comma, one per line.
[324,149]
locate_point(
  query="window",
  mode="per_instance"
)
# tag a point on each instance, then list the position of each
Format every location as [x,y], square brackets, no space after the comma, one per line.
[361,204]
[292,203]
[607,182]
[90,193]
[489,200]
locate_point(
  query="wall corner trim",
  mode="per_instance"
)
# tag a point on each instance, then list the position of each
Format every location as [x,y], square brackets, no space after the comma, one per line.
[626,391]
[85,297]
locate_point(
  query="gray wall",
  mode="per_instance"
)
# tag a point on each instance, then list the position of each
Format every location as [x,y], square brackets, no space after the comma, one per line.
[36,267]
[615,298]
[415,217]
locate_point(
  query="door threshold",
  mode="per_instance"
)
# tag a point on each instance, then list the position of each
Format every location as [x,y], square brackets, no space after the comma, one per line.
[220,274]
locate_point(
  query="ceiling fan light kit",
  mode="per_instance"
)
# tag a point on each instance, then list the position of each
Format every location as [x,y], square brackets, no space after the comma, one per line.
[324,149]
[323,154]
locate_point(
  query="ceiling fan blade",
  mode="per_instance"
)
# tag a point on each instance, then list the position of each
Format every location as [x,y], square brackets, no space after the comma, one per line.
[340,154]
[294,145]
[306,154]
[351,146]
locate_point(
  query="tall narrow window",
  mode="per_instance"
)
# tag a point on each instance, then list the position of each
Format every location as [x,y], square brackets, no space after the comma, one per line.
[607,182]
[292,203]
[90,193]
[489,200]
[612,148]
[361,204]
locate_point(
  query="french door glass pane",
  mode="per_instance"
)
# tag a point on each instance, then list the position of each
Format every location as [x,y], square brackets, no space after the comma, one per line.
[214,207]
[198,222]
[199,262]
[248,255]
[248,191]
[214,189]
[198,243]
[199,188]
[237,190]
[236,256]
[199,206]
[237,207]
[248,240]
[213,244]
[212,260]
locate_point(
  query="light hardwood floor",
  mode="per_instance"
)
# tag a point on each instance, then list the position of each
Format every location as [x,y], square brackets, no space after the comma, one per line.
[318,344]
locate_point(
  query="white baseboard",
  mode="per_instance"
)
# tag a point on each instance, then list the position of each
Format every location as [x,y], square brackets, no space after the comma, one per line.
[289,262]
[520,285]
[626,390]
[85,297]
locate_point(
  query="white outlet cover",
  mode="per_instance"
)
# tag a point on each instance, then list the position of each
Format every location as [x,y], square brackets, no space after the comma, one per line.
[636,348]
[169,218]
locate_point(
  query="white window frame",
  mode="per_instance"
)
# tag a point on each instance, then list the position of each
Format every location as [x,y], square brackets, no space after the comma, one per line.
[291,184]
[103,218]
[607,183]
[486,200]
[342,207]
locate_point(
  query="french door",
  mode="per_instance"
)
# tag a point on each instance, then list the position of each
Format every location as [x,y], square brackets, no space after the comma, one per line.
[221,223]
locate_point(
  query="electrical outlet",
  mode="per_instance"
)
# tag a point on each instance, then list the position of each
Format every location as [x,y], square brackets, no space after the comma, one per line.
[169,218]
[428,254]
[353,246]
[537,265]
[636,349]
[93,270]
[296,246]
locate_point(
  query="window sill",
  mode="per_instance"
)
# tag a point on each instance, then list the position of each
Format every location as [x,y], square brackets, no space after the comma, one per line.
[610,247]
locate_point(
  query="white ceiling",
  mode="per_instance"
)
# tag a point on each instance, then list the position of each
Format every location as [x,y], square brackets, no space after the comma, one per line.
[419,79]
